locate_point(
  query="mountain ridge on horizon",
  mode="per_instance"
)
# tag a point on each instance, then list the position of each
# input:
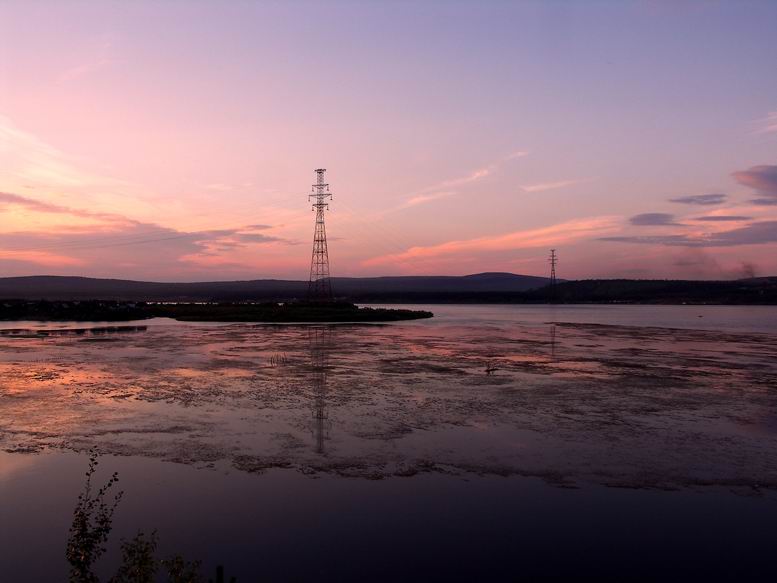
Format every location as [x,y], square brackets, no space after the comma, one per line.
[488,287]
[65,287]
[479,275]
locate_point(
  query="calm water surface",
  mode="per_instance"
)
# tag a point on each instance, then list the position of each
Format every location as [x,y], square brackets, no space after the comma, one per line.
[489,443]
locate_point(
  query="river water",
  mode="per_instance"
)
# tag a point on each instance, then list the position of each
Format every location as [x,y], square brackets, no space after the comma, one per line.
[488,443]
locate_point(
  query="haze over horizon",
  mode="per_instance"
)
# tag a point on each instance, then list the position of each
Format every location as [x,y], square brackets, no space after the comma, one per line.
[176,141]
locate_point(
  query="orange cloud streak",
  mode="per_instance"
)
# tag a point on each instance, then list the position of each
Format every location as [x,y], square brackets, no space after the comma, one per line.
[552,235]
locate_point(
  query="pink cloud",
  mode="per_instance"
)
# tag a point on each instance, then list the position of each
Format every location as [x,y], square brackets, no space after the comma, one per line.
[445,188]
[544,236]
[422,198]
[34,205]
[542,186]
[768,125]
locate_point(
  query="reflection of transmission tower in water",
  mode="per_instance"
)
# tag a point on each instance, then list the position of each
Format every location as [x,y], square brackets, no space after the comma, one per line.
[553,341]
[319,340]
[319,286]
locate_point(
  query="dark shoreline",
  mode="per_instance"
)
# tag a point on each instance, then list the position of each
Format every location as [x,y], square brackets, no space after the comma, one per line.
[476,289]
[761,291]
[270,312]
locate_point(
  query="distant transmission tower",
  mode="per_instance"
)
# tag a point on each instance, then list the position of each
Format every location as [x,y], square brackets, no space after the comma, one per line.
[319,286]
[553,260]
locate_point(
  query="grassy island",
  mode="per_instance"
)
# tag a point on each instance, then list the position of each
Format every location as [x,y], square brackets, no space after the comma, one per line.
[112,311]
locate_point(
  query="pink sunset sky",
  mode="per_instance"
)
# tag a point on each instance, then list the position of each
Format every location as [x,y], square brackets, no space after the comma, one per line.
[176,141]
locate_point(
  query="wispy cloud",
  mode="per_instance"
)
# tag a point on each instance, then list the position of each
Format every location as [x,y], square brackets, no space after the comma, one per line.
[762,179]
[26,156]
[543,186]
[218,187]
[154,248]
[9,198]
[31,163]
[753,234]
[767,125]
[93,63]
[722,218]
[116,240]
[83,69]
[448,187]
[515,155]
[700,199]
[544,236]
[652,219]
[423,198]
[114,227]
[481,172]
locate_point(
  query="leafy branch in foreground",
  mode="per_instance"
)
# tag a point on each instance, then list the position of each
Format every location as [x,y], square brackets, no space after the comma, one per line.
[138,564]
[89,532]
[92,523]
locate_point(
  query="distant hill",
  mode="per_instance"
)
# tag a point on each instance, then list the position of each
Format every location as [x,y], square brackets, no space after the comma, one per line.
[355,288]
[478,288]
[761,290]
[766,279]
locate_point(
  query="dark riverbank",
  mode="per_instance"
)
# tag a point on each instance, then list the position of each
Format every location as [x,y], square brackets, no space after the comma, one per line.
[111,311]
[483,288]
[761,291]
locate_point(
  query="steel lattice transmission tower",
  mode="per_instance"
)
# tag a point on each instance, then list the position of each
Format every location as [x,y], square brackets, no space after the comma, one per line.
[319,285]
[553,260]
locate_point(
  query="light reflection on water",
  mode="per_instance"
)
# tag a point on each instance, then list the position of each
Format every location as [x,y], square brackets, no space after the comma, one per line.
[701,317]
[452,417]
